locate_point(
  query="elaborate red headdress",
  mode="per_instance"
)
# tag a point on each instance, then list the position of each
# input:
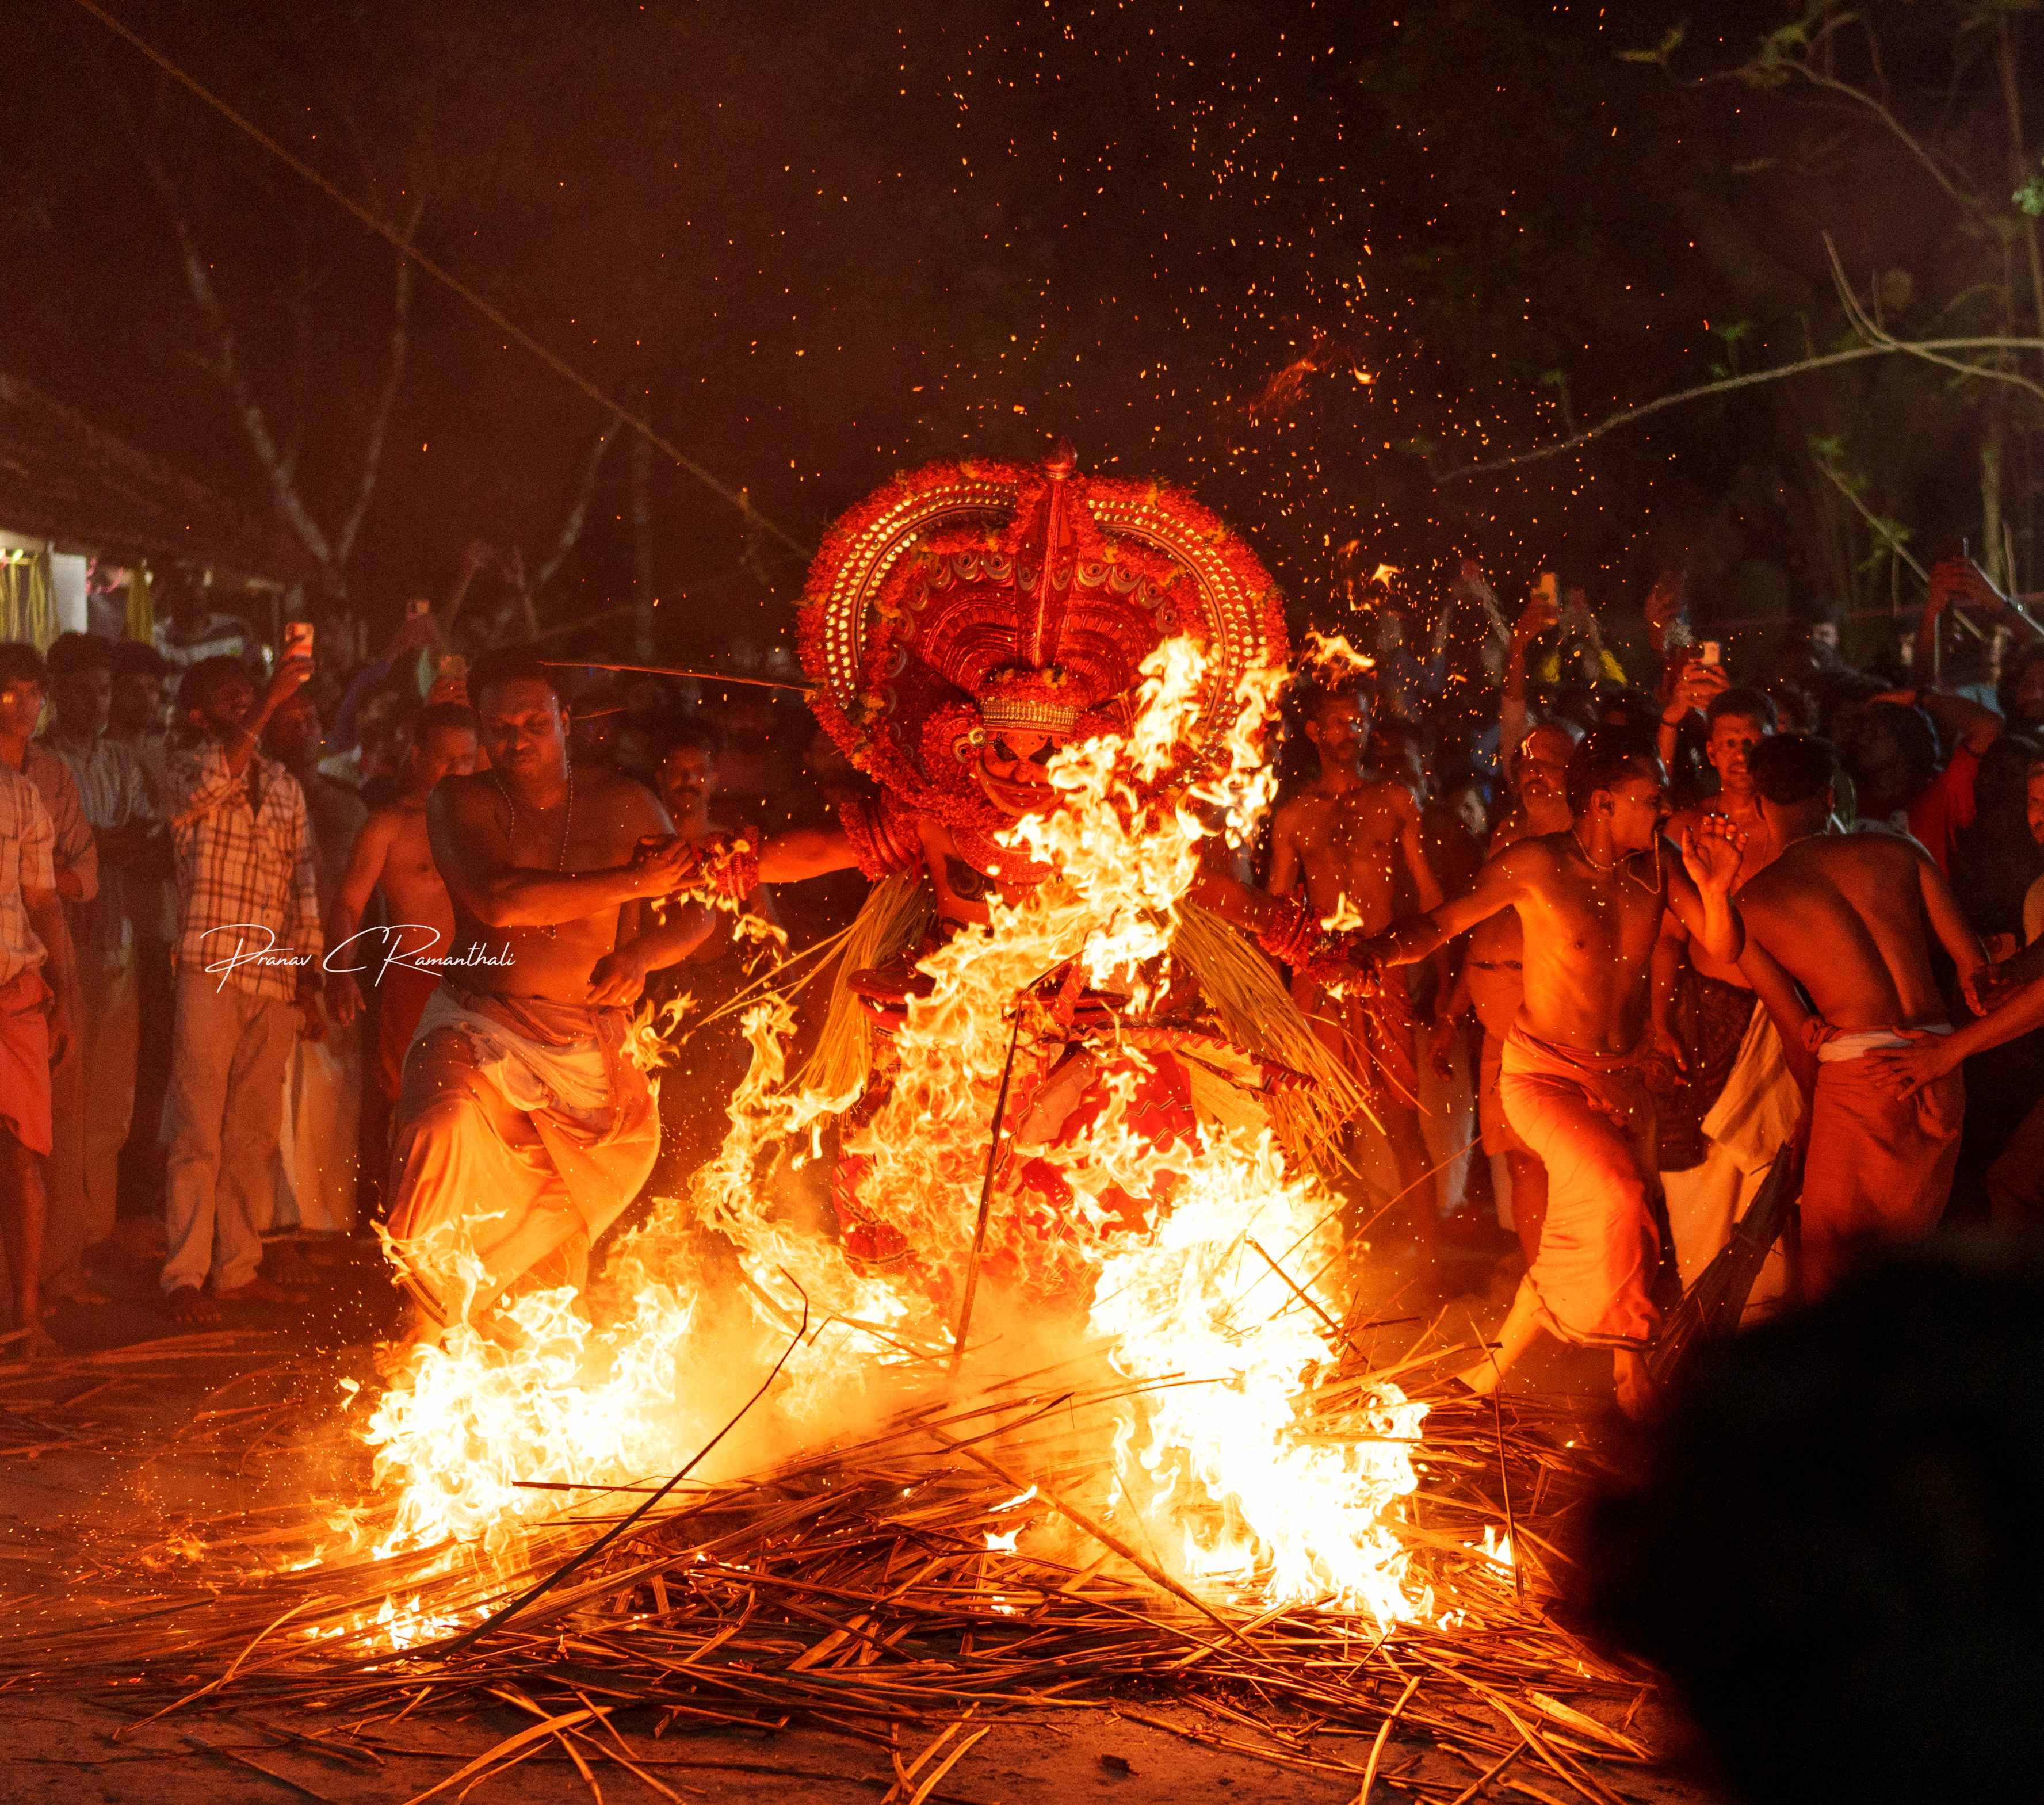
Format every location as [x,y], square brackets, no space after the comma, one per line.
[971,599]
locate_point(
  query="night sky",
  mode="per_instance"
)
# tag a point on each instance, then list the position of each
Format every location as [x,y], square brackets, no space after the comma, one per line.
[1284,254]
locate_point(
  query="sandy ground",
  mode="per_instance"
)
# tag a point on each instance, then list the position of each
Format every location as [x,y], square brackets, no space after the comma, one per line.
[71,1744]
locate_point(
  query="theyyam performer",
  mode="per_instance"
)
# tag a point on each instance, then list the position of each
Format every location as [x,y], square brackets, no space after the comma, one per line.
[1592,899]
[523,1126]
[962,627]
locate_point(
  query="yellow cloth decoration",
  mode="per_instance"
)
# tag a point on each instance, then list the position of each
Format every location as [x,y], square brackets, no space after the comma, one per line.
[28,604]
[141,610]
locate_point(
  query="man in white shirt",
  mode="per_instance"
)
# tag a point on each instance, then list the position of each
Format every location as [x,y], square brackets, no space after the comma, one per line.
[114,787]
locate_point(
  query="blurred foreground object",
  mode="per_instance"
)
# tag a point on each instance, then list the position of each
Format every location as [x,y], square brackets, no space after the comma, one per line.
[1834,1553]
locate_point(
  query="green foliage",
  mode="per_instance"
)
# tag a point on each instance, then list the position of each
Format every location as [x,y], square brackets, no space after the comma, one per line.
[1657,57]
[2029,199]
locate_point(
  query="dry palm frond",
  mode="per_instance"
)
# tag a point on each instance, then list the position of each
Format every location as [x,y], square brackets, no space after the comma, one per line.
[1716,1303]
[1255,1009]
[896,915]
[876,1589]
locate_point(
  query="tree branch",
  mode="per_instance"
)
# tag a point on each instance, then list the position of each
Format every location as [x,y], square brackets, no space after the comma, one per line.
[1752,378]
[1859,97]
[199,279]
[578,512]
[1880,336]
[393,377]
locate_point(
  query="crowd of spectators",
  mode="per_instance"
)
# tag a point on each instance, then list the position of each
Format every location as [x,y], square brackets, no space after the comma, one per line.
[168,810]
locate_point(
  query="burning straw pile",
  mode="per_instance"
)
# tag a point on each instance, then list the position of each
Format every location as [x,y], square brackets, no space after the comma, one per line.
[1156,1465]
[951,1569]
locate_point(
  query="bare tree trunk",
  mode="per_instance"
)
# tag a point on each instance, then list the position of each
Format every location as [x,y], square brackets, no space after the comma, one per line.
[280,461]
[641,548]
[2019,159]
[226,366]
[578,511]
[393,379]
[1992,543]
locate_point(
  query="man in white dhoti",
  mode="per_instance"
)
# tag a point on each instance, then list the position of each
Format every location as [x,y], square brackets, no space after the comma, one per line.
[523,1126]
[317,1148]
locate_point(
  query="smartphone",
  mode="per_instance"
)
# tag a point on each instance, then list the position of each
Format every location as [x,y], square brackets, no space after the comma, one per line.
[297,639]
[1710,652]
[417,608]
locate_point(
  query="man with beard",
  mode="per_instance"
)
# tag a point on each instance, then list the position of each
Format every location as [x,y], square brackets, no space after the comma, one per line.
[525,1128]
[1341,840]
[1592,899]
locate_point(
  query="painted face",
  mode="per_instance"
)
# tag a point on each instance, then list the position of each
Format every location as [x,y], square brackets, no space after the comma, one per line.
[1013,770]
[21,706]
[1733,737]
[522,728]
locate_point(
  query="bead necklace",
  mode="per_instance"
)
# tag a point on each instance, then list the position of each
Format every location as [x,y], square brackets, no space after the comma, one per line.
[567,824]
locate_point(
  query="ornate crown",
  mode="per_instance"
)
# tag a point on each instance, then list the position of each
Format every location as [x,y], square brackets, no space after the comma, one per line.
[1023,597]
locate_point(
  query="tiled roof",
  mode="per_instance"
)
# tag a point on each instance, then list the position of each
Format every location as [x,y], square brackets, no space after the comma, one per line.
[64,479]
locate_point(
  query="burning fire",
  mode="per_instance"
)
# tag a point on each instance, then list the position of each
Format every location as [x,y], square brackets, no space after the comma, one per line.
[1191,1261]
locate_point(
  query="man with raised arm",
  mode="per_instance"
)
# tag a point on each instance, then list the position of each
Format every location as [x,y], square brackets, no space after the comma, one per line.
[524,1126]
[1341,840]
[1838,947]
[1591,899]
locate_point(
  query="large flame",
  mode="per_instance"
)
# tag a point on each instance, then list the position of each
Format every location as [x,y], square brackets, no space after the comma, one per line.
[1190,1259]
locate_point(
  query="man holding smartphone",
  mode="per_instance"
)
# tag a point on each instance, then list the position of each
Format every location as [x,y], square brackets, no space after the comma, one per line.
[246,980]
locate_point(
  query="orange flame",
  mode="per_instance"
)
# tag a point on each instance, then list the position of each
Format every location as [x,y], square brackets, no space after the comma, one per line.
[1217,1467]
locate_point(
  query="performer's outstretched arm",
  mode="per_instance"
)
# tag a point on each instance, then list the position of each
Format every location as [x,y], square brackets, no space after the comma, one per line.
[1498,885]
[805,852]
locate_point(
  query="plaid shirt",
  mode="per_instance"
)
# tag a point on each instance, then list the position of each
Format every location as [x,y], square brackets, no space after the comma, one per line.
[26,838]
[244,867]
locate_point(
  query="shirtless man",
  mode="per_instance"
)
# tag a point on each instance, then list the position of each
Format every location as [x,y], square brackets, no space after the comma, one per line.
[524,1129]
[711,1058]
[393,852]
[1703,1056]
[1592,900]
[1342,838]
[1840,927]
[1492,980]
